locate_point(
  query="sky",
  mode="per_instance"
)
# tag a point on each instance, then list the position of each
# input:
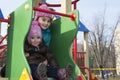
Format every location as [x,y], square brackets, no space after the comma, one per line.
[87,9]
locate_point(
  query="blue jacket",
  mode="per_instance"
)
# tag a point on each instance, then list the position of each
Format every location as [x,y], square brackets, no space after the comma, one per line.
[46,35]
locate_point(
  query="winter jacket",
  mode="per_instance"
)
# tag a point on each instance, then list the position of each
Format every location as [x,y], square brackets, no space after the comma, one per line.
[37,56]
[46,35]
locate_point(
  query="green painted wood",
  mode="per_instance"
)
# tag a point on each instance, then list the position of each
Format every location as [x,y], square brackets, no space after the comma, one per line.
[63,32]
[19,26]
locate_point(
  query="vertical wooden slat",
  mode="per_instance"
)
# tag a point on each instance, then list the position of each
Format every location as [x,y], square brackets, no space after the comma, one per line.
[65,6]
[86,55]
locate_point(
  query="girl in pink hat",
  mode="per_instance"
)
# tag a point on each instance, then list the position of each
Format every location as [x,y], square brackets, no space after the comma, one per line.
[44,20]
[41,60]
[32,47]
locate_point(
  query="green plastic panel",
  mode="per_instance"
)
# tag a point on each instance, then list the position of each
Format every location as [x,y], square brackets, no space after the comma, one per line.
[63,32]
[19,26]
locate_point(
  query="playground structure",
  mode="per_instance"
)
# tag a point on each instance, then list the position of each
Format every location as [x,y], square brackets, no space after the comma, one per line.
[64,30]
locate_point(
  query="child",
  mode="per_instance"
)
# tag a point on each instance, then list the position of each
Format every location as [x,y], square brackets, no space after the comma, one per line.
[44,20]
[41,60]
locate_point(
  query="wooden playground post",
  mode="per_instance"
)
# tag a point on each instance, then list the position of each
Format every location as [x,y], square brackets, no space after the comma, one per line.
[86,55]
[36,3]
[65,6]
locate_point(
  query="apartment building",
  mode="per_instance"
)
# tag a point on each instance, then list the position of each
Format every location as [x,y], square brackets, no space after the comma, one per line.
[117,48]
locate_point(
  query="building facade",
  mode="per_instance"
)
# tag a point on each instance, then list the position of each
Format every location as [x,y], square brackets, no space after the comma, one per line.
[117,49]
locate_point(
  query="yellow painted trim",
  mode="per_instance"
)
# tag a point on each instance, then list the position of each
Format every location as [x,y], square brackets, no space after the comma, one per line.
[24,75]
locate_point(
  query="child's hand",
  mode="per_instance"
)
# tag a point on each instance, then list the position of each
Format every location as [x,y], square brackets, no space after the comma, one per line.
[45,62]
[27,55]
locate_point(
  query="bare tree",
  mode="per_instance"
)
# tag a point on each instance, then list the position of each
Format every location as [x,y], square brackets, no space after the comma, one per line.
[101,41]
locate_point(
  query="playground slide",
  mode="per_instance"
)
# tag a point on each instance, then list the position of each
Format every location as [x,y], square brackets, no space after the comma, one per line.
[63,32]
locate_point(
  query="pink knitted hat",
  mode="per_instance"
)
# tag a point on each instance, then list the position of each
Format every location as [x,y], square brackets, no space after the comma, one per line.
[34,30]
[39,14]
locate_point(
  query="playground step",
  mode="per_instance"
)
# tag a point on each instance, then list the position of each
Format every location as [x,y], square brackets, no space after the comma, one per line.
[3,78]
[7,79]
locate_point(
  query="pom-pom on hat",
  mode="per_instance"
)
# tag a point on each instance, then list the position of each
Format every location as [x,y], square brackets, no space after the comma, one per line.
[35,30]
[39,14]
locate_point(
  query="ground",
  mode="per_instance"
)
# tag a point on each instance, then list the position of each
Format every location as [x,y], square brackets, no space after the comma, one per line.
[112,78]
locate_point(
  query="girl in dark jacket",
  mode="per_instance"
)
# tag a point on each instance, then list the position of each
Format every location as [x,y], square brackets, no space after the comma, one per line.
[41,60]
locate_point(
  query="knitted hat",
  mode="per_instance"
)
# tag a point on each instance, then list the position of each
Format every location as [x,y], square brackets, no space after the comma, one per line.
[35,30]
[39,14]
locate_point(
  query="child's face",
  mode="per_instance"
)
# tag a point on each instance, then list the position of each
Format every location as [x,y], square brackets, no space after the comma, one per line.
[44,22]
[35,40]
